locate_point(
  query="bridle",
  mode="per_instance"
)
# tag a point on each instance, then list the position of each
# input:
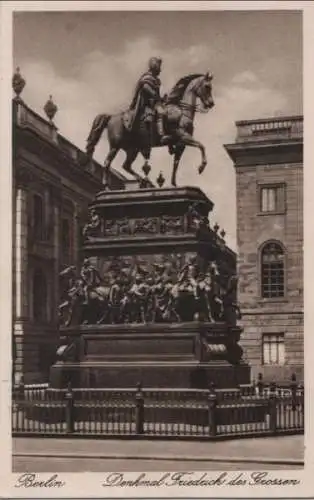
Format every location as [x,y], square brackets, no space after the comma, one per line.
[190,107]
[197,108]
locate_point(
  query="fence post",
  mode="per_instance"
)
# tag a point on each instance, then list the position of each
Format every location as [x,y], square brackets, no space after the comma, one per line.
[212,410]
[293,387]
[139,410]
[260,384]
[301,389]
[69,409]
[273,408]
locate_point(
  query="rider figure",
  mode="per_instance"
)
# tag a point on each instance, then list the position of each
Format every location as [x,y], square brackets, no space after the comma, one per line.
[187,276]
[91,278]
[138,293]
[147,99]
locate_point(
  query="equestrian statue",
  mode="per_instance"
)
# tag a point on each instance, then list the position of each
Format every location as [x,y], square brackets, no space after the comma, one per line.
[155,121]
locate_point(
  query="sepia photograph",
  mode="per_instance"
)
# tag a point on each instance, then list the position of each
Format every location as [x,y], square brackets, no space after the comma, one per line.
[157,246]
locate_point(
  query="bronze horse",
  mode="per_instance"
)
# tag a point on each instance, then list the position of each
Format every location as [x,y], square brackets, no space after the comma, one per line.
[180,108]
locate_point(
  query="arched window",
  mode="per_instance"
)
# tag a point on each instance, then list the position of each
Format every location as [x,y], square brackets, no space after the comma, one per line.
[38,217]
[39,296]
[272,271]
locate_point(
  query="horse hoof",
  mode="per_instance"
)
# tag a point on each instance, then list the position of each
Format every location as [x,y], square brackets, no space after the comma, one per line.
[201,168]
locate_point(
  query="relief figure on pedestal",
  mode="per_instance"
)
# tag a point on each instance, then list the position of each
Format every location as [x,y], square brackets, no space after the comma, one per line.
[92,228]
[171,225]
[231,309]
[196,221]
[139,292]
[145,226]
[87,299]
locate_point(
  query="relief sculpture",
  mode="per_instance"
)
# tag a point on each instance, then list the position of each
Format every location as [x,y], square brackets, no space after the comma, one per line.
[165,224]
[168,288]
[93,226]
[145,226]
[171,225]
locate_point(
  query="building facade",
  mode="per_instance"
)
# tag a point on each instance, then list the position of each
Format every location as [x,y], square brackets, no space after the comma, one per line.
[52,188]
[268,161]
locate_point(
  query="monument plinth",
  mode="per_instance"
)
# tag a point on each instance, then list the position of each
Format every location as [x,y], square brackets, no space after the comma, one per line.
[164,311]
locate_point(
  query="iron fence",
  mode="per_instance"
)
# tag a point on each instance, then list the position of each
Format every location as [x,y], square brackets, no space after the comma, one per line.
[136,412]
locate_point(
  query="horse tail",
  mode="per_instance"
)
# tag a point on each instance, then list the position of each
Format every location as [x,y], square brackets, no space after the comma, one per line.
[98,126]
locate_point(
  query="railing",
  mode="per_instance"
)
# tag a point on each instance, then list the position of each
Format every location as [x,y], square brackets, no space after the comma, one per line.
[203,414]
[270,128]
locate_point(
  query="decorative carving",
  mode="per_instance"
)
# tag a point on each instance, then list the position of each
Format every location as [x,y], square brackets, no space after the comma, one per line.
[18,83]
[145,226]
[196,221]
[124,226]
[216,227]
[231,309]
[158,288]
[160,180]
[171,225]
[92,228]
[111,228]
[50,109]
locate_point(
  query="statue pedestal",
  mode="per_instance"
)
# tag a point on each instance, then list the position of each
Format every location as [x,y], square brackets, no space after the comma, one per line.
[186,355]
[147,238]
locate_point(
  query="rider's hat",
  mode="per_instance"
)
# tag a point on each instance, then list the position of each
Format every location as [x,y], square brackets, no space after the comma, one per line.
[154,61]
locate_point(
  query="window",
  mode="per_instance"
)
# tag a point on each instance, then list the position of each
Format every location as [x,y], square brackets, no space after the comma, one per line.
[273,349]
[272,198]
[38,217]
[272,271]
[39,296]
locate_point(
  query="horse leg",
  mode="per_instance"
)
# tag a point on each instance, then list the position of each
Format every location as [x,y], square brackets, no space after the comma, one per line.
[109,159]
[177,157]
[188,140]
[131,155]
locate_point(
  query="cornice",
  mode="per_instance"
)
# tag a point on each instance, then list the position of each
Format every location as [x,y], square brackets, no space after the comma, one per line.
[261,153]
[52,155]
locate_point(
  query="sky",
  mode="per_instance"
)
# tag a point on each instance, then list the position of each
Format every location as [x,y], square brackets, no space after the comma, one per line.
[90,62]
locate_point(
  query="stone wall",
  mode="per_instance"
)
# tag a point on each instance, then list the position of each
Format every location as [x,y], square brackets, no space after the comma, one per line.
[282,315]
[269,152]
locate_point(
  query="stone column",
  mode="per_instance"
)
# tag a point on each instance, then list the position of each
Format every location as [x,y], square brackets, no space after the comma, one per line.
[56,211]
[76,234]
[20,288]
[21,301]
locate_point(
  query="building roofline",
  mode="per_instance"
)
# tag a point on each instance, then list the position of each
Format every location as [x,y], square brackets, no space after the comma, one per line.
[270,119]
[62,138]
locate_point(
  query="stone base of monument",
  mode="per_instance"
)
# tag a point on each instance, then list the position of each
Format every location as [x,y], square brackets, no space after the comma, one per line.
[178,355]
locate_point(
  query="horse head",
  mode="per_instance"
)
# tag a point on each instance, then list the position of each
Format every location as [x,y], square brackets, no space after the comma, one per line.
[203,90]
